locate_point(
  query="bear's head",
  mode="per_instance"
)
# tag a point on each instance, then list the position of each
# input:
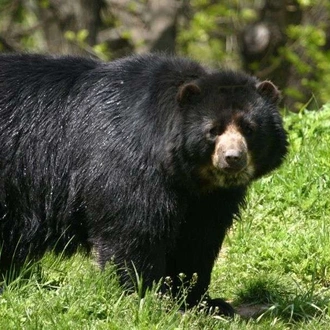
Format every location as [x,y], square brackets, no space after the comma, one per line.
[233,131]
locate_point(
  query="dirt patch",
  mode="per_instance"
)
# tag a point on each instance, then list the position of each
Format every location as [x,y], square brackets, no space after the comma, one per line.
[247,311]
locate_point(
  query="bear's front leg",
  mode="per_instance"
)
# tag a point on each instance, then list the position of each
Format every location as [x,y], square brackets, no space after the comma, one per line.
[197,246]
[189,267]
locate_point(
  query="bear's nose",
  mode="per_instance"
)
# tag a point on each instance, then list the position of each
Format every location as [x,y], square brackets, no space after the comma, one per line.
[235,158]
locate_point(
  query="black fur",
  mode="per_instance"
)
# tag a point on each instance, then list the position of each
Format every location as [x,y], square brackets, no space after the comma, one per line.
[107,156]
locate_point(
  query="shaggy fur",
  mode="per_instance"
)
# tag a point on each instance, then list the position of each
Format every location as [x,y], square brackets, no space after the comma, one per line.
[129,158]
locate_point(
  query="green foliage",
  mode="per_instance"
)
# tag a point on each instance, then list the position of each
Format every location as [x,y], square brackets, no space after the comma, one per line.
[80,38]
[305,51]
[211,33]
[17,17]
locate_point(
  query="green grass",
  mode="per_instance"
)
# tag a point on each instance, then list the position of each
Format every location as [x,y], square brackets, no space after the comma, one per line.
[276,257]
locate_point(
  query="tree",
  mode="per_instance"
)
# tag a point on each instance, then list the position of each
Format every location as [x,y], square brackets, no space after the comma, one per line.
[59,17]
[151,25]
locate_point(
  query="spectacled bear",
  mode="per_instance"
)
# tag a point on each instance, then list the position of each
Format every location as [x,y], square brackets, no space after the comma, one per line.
[145,160]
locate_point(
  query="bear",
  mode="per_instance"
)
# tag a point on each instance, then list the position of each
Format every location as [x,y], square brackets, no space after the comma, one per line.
[145,160]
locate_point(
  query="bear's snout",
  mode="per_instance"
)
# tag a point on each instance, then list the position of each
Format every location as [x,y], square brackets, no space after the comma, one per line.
[230,153]
[235,159]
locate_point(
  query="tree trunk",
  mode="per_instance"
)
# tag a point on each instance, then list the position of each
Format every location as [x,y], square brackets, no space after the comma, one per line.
[262,41]
[61,16]
[151,24]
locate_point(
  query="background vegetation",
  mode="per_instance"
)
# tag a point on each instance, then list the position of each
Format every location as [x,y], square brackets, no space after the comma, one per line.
[287,41]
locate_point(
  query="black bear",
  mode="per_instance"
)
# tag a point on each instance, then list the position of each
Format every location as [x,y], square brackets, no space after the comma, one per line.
[145,159]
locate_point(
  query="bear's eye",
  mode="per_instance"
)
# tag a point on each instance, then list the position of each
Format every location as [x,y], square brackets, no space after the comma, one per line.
[248,128]
[214,132]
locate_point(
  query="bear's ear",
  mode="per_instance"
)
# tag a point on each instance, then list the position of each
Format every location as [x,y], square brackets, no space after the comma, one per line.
[268,89]
[187,91]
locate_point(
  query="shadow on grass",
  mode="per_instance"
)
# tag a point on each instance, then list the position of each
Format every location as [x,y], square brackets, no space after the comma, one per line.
[269,298]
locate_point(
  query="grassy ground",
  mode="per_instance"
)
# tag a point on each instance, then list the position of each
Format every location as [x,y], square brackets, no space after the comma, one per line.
[275,263]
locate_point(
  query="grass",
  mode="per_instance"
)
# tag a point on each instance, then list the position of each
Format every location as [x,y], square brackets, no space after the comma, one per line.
[275,261]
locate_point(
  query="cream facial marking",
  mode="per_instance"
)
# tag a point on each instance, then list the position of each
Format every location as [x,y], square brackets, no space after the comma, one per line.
[230,150]
[231,162]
